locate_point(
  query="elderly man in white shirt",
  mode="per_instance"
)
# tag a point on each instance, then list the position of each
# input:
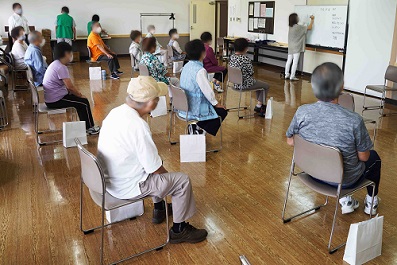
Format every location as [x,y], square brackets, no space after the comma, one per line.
[17,19]
[133,166]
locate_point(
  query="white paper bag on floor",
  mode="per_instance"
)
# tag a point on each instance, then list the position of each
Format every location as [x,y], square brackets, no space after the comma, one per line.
[193,148]
[269,109]
[72,130]
[364,241]
[128,211]
[161,109]
[95,73]
[177,67]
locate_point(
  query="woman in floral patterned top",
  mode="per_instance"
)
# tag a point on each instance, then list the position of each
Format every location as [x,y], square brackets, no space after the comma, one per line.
[157,70]
[243,62]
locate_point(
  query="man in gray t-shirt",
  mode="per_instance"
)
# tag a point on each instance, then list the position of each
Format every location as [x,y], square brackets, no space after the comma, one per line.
[327,123]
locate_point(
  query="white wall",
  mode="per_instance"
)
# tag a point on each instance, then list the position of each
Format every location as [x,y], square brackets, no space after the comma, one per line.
[118,17]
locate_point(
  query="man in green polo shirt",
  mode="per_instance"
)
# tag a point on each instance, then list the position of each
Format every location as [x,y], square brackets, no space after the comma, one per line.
[65,27]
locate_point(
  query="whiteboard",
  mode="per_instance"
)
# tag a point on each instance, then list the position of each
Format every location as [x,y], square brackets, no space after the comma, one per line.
[329,28]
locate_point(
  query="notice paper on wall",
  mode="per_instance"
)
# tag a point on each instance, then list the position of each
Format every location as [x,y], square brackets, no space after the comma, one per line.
[257,9]
[251,10]
[263,10]
[250,24]
[255,23]
[262,23]
[269,12]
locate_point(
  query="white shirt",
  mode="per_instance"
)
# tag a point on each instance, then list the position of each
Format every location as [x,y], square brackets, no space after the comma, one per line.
[126,151]
[205,86]
[18,51]
[176,46]
[16,20]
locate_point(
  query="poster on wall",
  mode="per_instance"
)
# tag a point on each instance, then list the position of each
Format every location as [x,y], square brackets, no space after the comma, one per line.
[251,24]
[255,23]
[261,23]
[257,9]
[269,12]
[251,10]
[263,10]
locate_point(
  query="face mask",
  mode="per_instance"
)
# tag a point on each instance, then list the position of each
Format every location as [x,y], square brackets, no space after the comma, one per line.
[23,37]
[18,11]
[98,30]
[176,36]
[71,58]
[152,31]
[42,43]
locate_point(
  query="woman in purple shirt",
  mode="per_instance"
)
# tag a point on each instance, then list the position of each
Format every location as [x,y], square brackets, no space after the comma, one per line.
[59,91]
[211,63]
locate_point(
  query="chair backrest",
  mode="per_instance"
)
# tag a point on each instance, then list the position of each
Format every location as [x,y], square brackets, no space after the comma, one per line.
[346,100]
[235,75]
[170,51]
[12,60]
[391,73]
[132,61]
[179,99]
[143,70]
[29,73]
[91,171]
[35,93]
[89,52]
[321,162]
[220,42]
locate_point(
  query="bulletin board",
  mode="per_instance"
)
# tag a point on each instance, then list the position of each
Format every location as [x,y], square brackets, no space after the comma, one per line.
[261,17]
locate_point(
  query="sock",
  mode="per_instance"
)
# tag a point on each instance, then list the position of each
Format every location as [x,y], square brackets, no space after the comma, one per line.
[369,198]
[259,105]
[178,227]
[159,205]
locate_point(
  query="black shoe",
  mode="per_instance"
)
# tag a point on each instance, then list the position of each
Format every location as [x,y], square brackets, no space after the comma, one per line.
[159,215]
[257,109]
[190,235]
[262,111]
[119,72]
[114,76]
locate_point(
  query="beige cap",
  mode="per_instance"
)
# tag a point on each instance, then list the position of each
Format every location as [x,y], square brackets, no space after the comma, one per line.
[145,88]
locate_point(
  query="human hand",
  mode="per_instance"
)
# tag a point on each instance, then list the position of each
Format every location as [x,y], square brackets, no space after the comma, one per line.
[220,106]
[312,17]
[109,56]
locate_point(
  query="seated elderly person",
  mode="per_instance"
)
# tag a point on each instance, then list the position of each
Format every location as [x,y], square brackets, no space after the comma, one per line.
[59,91]
[19,48]
[34,58]
[160,51]
[327,123]
[133,166]
[101,52]
[135,49]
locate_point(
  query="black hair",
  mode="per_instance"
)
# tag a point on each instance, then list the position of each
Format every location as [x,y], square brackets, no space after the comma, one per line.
[206,37]
[135,34]
[194,49]
[14,5]
[61,49]
[95,18]
[293,19]
[240,44]
[172,32]
[148,44]
[15,32]
[65,9]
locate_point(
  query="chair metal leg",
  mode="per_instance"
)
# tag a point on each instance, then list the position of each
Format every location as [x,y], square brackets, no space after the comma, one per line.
[372,200]
[331,251]
[170,131]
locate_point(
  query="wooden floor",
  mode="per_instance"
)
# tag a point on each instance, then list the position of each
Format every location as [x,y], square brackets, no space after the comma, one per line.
[239,191]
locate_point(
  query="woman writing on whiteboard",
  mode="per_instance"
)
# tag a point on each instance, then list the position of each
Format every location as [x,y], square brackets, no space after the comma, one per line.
[296,44]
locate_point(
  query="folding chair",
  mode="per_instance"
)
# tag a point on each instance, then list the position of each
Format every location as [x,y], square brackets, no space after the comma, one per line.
[325,164]
[90,61]
[235,77]
[346,100]
[143,70]
[390,75]
[133,65]
[41,108]
[92,175]
[14,74]
[180,103]
[211,77]
[3,112]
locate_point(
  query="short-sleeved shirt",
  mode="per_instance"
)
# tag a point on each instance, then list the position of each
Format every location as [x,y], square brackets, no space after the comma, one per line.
[18,51]
[16,20]
[89,28]
[244,63]
[126,151]
[92,42]
[157,70]
[54,87]
[330,124]
[297,39]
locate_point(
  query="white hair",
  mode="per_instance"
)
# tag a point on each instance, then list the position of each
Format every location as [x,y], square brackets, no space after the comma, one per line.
[33,36]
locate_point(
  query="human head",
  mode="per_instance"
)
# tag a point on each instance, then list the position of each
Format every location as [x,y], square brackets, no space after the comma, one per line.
[293,19]
[241,45]
[173,33]
[65,9]
[151,29]
[36,38]
[149,44]
[17,8]
[206,37]
[96,27]
[18,33]
[95,18]
[63,52]
[195,50]
[144,92]
[136,36]
[327,81]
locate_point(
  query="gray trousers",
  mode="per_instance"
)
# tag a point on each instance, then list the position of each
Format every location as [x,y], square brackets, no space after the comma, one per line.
[261,95]
[178,185]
